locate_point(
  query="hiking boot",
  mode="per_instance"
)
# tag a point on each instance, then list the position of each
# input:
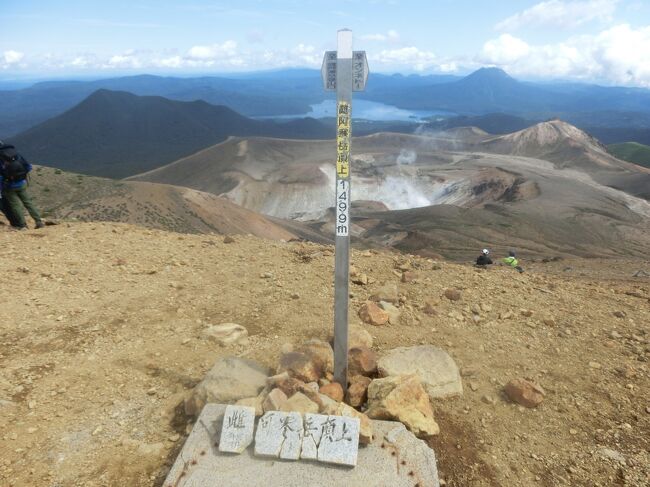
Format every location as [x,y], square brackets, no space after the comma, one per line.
[40,224]
[18,229]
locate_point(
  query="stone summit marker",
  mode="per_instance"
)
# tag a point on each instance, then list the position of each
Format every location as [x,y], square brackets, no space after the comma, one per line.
[331,439]
[237,429]
[279,435]
[395,458]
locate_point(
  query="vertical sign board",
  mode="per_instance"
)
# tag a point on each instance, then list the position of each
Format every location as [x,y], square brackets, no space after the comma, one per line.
[345,71]
[359,71]
[328,71]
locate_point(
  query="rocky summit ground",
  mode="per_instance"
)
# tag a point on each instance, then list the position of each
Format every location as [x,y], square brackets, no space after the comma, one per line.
[100,342]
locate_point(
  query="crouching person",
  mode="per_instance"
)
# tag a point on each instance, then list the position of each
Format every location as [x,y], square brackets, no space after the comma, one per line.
[483,260]
[512,261]
[13,177]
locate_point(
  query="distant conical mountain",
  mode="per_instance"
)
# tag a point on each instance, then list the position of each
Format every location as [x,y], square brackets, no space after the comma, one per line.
[485,76]
[483,91]
[117,134]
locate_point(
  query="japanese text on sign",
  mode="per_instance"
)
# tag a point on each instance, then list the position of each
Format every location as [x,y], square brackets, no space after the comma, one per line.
[331,72]
[343,139]
[328,70]
[359,70]
[342,208]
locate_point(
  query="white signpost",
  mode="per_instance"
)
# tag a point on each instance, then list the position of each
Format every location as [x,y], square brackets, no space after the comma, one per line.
[345,71]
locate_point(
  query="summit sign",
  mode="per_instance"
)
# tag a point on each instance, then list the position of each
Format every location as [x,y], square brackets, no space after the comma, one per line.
[359,71]
[343,71]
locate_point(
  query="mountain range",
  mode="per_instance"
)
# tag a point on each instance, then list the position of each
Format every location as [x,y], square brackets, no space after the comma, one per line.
[282,92]
[493,90]
[118,134]
[548,188]
[614,114]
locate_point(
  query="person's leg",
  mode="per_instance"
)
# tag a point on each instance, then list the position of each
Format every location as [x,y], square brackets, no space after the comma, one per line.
[29,205]
[3,209]
[13,202]
[4,206]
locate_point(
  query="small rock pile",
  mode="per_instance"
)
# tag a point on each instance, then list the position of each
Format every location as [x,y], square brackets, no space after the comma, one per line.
[400,385]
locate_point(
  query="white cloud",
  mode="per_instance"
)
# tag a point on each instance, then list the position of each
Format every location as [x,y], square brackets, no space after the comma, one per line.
[80,62]
[624,54]
[506,49]
[620,55]
[170,62]
[561,13]
[128,59]
[391,36]
[411,57]
[214,51]
[450,67]
[305,54]
[224,55]
[217,57]
[12,57]
[227,55]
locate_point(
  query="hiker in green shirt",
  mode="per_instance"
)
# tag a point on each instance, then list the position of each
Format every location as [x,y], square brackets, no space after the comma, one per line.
[512,261]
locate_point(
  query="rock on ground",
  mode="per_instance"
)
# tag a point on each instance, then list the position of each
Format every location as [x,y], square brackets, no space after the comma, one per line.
[453,294]
[226,333]
[362,361]
[386,292]
[289,385]
[333,390]
[229,380]
[361,279]
[300,366]
[358,390]
[274,401]
[524,392]
[253,402]
[321,354]
[437,370]
[372,314]
[402,398]
[300,403]
[358,337]
[392,310]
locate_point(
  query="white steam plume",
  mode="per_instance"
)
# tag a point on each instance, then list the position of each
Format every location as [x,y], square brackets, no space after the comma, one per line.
[398,193]
[407,156]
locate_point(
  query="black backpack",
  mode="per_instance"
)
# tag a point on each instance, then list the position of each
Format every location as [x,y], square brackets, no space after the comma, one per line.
[15,166]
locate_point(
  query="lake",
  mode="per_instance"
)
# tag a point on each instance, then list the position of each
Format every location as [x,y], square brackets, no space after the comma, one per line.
[368,110]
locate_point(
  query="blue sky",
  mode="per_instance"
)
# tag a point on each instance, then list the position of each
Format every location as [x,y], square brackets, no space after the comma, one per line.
[586,40]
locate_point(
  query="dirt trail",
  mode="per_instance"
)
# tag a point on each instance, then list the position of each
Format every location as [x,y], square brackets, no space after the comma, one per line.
[100,341]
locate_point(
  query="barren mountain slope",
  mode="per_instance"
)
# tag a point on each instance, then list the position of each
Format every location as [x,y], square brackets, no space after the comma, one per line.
[570,147]
[67,195]
[508,191]
[101,339]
